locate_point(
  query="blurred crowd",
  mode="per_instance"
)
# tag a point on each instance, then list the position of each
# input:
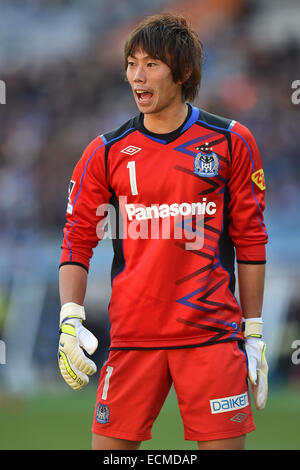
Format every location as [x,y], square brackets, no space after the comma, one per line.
[53,110]
[56,105]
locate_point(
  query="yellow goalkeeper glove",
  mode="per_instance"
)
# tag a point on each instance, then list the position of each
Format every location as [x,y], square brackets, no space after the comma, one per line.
[74,366]
[257,363]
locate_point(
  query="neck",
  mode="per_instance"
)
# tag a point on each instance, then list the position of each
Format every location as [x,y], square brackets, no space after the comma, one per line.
[167,120]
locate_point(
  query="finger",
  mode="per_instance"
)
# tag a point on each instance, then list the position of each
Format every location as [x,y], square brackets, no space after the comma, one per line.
[262,387]
[86,339]
[258,396]
[252,371]
[74,378]
[81,362]
[261,395]
[260,391]
[69,345]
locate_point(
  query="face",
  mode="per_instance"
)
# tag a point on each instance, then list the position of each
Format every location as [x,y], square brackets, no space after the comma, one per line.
[152,83]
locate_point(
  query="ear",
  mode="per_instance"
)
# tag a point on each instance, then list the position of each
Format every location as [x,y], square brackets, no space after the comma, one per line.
[186,77]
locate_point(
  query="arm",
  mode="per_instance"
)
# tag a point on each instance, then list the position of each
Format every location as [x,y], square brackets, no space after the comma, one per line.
[251,286]
[87,191]
[247,199]
[249,235]
[251,278]
[246,224]
[72,284]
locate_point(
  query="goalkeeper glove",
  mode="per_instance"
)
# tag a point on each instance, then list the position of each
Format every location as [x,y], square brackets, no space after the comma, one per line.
[257,364]
[74,366]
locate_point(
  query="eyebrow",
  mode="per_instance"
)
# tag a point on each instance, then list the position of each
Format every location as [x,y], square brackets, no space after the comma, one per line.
[132,56]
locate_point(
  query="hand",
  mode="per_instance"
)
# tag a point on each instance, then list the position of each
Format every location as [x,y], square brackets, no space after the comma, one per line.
[74,366]
[257,363]
[257,371]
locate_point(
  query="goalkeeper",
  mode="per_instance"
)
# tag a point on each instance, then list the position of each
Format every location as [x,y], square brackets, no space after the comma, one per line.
[173,312]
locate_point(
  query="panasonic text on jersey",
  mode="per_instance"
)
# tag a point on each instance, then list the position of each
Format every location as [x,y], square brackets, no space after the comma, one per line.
[141,212]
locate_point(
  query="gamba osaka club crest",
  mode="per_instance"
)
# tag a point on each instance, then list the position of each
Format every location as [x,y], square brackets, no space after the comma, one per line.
[206,164]
[102,413]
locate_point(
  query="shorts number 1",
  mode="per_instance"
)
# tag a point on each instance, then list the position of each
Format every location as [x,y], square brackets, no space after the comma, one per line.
[132,177]
[109,371]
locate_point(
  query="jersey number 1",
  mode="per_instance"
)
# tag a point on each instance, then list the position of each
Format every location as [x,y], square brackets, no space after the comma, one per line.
[109,371]
[132,177]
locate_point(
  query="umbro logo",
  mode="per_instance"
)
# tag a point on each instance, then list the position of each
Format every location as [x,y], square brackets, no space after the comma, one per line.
[131,150]
[238,418]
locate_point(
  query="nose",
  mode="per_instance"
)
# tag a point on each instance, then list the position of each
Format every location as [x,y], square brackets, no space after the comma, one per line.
[139,75]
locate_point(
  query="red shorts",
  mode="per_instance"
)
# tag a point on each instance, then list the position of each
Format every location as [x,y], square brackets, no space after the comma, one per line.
[210,383]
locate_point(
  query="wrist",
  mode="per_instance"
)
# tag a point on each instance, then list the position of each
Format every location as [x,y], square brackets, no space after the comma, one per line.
[71,310]
[253,328]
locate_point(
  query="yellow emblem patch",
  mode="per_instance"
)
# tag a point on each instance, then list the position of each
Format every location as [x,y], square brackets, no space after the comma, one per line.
[259,179]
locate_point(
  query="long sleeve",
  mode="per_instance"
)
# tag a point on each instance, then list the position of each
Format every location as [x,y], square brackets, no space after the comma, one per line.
[88,189]
[247,198]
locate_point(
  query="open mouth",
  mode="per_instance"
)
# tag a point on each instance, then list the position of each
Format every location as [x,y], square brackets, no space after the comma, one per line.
[143,97]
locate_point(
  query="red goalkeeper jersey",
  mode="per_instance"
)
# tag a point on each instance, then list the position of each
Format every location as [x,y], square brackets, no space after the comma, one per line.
[183,207]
